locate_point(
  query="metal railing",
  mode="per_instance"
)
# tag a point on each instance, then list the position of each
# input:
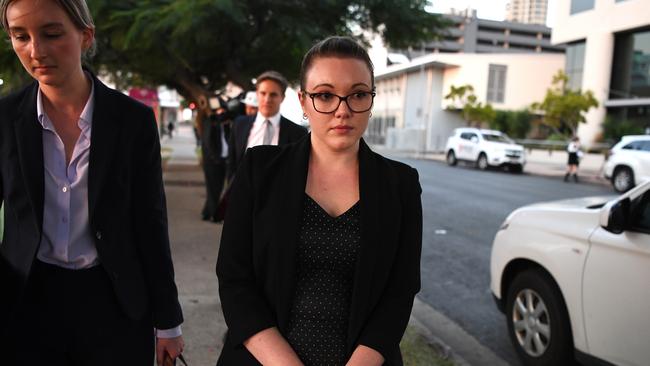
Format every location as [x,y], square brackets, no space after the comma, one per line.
[601,148]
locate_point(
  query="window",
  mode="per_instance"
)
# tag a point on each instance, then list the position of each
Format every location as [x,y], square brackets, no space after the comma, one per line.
[639,145]
[578,6]
[645,146]
[575,61]
[631,66]
[496,83]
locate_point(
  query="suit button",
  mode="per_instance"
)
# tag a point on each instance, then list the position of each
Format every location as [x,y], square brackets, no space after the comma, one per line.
[98,235]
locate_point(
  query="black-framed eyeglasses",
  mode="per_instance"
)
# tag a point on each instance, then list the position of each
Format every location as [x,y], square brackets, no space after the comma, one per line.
[358,102]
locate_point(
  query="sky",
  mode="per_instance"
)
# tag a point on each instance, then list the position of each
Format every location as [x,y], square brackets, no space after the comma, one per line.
[486,9]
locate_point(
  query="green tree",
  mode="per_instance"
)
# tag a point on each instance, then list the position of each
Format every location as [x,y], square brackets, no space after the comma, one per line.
[473,111]
[12,73]
[515,124]
[563,109]
[197,46]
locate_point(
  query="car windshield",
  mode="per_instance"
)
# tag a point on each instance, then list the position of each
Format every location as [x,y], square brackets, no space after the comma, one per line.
[497,138]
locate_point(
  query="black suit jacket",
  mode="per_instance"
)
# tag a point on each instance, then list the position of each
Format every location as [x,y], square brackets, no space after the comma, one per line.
[127,209]
[257,258]
[241,128]
[211,143]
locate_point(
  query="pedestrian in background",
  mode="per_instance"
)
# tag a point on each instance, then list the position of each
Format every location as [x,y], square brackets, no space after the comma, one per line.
[575,154]
[170,129]
[85,266]
[214,148]
[250,103]
[267,126]
[319,260]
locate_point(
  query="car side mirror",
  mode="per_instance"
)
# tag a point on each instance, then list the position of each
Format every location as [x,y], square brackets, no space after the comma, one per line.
[615,215]
[474,139]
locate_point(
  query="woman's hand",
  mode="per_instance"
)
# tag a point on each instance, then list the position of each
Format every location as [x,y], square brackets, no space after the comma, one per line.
[270,348]
[365,356]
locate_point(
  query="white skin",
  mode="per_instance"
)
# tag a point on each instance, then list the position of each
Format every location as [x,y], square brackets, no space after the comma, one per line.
[269,97]
[332,179]
[49,46]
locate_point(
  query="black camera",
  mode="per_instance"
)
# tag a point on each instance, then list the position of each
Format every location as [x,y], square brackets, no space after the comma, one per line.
[225,109]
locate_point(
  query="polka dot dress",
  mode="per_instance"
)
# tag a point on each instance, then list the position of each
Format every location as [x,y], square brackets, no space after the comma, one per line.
[327,253]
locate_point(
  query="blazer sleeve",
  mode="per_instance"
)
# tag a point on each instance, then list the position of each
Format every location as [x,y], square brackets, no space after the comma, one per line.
[244,306]
[387,322]
[151,228]
[232,151]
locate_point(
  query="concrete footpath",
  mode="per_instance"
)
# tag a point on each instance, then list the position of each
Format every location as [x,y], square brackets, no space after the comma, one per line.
[538,162]
[195,244]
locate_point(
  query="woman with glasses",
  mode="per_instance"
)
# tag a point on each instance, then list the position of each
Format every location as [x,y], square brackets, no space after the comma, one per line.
[320,252]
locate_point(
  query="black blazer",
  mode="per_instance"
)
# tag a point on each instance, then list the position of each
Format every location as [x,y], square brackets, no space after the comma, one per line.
[127,210]
[257,257]
[289,132]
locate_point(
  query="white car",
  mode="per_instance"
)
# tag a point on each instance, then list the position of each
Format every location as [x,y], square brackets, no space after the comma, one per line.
[485,148]
[629,162]
[573,279]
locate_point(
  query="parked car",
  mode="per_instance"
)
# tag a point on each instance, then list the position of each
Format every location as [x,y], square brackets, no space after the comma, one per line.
[573,279]
[629,162]
[484,148]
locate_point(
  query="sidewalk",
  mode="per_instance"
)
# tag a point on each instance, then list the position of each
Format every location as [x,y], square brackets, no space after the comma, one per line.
[538,162]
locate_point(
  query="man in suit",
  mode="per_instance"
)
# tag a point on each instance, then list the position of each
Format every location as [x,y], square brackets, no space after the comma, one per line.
[214,148]
[267,127]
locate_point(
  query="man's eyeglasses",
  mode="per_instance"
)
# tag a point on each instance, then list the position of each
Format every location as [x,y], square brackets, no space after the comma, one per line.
[358,102]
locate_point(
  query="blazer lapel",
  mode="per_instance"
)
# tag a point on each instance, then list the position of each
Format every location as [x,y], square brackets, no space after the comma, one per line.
[369,192]
[29,139]
[283,138]
[243,136]
[294,180]
[103,140]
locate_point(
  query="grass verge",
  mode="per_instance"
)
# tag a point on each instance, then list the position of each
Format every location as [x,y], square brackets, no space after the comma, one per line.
[417,351]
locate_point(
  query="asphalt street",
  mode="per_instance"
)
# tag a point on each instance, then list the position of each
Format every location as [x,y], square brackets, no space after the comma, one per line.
[463,209]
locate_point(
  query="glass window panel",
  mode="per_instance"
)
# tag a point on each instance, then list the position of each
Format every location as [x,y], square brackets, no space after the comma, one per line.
[640,75]
[578,6]
[496,83]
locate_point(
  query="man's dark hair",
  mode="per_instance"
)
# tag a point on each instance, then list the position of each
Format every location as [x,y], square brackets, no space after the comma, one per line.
[274,76]
[335,46]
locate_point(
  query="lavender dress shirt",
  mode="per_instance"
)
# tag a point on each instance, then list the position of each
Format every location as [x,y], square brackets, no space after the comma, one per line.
[67,240]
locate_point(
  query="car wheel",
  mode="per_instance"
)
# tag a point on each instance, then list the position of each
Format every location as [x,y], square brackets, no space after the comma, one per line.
[538,324]
[482,162]
[451,158]
[516,169]
[623,179]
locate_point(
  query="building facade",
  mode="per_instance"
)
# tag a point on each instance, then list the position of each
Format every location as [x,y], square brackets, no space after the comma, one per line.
[527,11]
[411,112]
[469,34]
[608,52]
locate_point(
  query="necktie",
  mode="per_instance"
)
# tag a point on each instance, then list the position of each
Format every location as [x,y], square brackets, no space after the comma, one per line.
[268,133]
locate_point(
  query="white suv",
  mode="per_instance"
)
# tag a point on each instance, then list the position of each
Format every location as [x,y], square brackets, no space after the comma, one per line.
[629,162]
[485,148]
[573,279]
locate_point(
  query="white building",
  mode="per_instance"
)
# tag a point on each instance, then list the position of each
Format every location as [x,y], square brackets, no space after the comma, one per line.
[608,52]
[410,112]
[527,11]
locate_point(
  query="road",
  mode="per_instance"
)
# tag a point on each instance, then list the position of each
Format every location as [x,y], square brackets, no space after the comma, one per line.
[463,208]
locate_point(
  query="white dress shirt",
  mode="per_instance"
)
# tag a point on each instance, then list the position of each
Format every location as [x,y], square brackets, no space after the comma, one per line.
[256,136]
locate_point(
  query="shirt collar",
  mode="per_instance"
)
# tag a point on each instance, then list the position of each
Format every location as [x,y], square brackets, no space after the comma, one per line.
[275,120]
[85,119]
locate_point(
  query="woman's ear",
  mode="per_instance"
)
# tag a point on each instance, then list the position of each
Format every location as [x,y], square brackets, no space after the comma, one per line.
[88,36]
